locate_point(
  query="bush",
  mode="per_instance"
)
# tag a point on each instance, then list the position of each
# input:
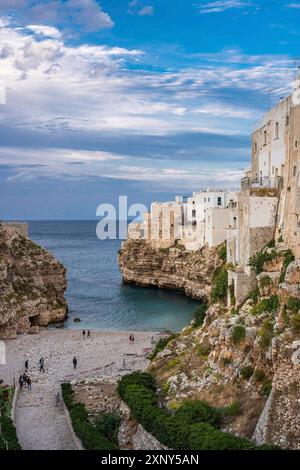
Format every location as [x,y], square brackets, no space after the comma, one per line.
[231,410]
[238,334]
[265,281]
[266,305]
[200,315]
[204,437]
[192,426]
[266,334]
[288,258]
[136,378]
[90,436]
[266,387]
[254,295]
[223,252]
[225,361]
[9,434]
[247,372]
[107,423]
[219,285]
[258,260]
[295,322]
[259,375]
[293,304]
[161,344]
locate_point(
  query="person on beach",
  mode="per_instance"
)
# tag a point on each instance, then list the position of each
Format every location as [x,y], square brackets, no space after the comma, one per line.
[21,382]
[29,382]
[42,363]
[83,334]
[88,334]
[74,362]
[24,378]
[26,365]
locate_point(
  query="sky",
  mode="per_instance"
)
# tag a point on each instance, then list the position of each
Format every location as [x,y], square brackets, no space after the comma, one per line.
[144,98]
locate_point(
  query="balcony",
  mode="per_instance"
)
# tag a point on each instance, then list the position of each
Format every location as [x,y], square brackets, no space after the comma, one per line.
[267,182]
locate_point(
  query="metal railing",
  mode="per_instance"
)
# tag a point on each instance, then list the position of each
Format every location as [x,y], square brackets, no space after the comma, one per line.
[275,182]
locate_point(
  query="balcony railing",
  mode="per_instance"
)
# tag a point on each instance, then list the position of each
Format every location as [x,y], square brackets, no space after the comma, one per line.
[275,182]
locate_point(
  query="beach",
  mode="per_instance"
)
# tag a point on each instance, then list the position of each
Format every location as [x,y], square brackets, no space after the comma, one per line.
[41,423]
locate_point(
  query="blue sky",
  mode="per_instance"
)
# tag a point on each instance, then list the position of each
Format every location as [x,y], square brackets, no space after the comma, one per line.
[148,98]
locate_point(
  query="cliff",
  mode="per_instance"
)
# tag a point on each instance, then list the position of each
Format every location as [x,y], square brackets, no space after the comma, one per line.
[169,268]
[245,360]
[32,285]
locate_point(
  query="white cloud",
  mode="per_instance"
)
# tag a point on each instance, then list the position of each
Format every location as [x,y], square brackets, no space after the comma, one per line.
[146,11]
[137,7]
[221,5]
[295,6]
[46,31]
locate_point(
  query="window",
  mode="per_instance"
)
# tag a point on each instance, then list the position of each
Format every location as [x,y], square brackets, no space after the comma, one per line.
[296,144]
[273,170]
[219,201]
[208,200]
[255,147]
[193,213]
[287,120]
[265,137]
[294,170]
[277,130]
[205,199]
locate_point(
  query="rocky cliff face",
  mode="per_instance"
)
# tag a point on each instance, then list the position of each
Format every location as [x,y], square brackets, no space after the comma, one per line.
[240,357]
[169,268]
[32,286]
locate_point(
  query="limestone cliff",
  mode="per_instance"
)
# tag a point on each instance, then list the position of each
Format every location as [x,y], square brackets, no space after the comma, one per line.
[32,285]
[241,356]
[169,268]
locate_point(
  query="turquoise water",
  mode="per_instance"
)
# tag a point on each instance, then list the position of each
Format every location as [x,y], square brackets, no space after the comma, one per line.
[95,291]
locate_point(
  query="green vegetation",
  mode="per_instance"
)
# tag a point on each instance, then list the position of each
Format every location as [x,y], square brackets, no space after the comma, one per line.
[247,372]
[270,305]
[288,258]
[93,436]
[266,333]
[293,304]
[225,361]
[192,426]
[265,281]
[108,423]
[259,375]
[223,252]
[266,387]
[254,295]
[238,334]
[233,409]
[295,322]
[234,311]
[258,260]
[200,315]
[219,285]
[160,345]
[8,435]
[203,349]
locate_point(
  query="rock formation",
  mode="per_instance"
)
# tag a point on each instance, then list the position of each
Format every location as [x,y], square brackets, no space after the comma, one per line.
[32,285]
[169,268]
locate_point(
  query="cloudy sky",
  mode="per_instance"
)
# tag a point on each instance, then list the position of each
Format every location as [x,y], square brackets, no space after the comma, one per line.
[147,98]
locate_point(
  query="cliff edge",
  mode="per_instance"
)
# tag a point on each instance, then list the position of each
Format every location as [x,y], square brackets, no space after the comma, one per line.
[173,268]
[32,285]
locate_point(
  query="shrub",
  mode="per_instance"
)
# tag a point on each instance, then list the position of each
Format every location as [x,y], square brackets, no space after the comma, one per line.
[295,322]
[266,333]
[198,411]
[254,295]
[107,423]
[266,387]
[265,281]
[219,285]
[293,304]
[234,311]
[266,305]
[231,410]
[247,372]
[90,436]
[238,334]
[203,349]
[225,361]
[204,437]
[288,258]
[223,252]
[200,315]
[258,260]
[136,378]
[259,375]
[161,344]
[9,434]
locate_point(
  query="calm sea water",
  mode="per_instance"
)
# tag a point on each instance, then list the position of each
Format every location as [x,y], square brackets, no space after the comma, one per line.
[95,291]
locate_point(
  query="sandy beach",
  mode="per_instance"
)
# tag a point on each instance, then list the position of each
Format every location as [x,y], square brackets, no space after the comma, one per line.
[41,424]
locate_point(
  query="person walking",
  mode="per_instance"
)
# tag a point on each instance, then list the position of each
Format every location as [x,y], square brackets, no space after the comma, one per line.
[29,382]
[26,365]
[42,364]
[21,382]
[83,334]
[88,334]
[24,377]
[74,362]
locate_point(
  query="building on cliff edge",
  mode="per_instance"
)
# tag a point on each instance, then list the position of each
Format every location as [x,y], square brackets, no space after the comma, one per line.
[268,205]
[193,221]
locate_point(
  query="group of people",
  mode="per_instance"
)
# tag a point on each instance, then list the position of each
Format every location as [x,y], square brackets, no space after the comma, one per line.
[84,334]
[24,379]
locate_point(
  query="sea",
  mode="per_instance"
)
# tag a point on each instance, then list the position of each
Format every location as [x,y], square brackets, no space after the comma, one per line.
[96,294]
